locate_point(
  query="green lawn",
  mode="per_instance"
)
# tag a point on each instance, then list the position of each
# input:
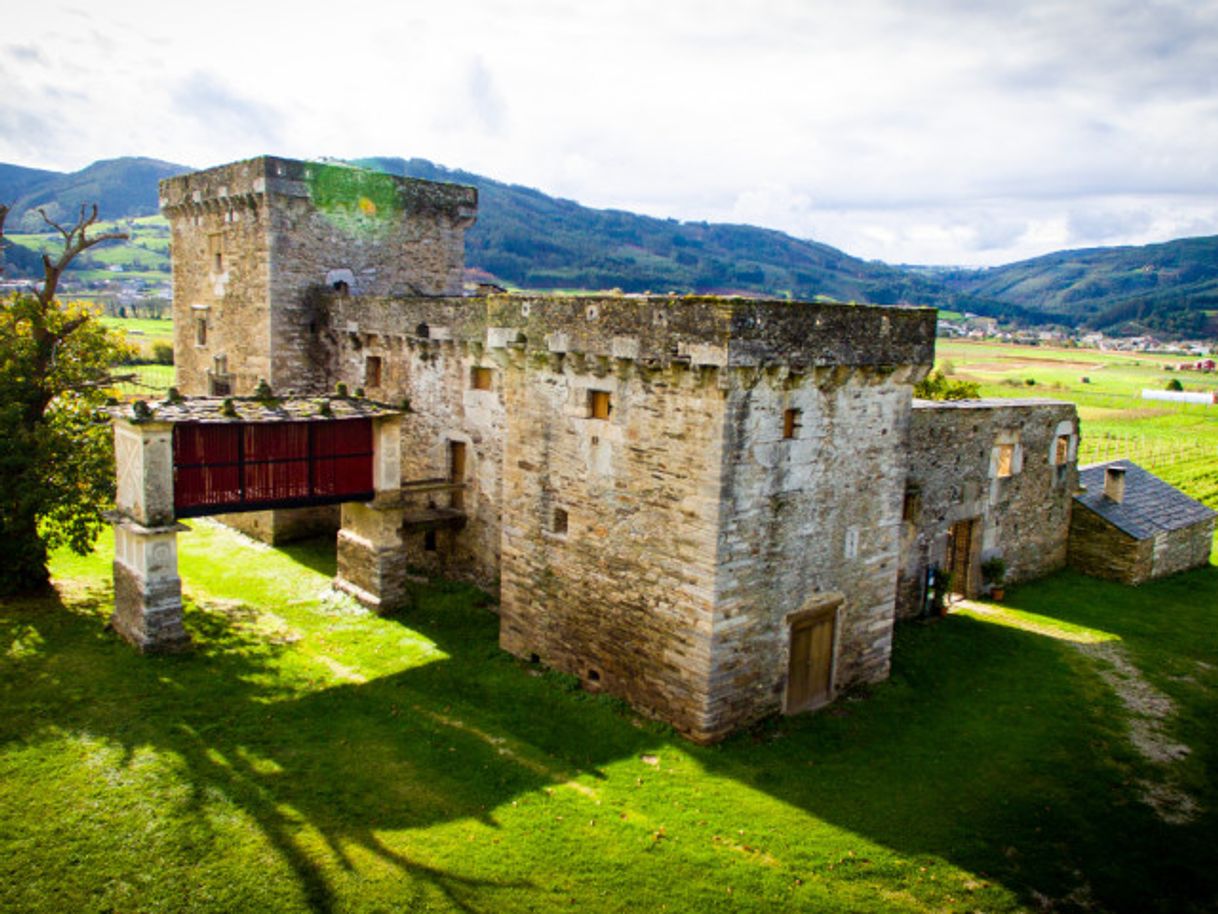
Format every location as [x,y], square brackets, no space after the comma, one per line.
[307,756]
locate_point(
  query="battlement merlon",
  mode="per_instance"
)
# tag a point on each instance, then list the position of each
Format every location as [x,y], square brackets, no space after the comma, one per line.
[330,186]
[695,330]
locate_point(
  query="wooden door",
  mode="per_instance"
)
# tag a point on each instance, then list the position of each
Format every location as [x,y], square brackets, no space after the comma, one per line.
[456,471]
[960,556]
[810,679]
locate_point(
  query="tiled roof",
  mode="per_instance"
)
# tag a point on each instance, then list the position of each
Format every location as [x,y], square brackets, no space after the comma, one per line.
[1150,505]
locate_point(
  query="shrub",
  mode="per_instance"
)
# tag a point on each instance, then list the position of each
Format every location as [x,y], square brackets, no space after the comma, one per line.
[1174,384]
[162,353]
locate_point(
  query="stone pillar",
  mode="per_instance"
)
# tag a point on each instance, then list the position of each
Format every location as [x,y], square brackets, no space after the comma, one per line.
[371,551]
[147,589]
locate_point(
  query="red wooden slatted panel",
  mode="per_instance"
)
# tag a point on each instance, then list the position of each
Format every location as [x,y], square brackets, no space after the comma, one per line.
[275,481]
[343,438]
[217,486]
[194,444]
[277,441]
[342,475]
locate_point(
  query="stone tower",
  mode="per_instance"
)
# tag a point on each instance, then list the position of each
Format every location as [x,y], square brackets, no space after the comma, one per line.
[251,239]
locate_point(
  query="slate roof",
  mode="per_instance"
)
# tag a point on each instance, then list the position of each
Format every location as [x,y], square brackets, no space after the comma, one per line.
[1150,506]
[250,409]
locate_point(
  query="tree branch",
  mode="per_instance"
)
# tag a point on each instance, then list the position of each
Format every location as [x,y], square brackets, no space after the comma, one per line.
[75,240]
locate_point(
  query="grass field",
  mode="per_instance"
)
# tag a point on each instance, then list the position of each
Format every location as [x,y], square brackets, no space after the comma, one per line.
[1177,441]
[309,757]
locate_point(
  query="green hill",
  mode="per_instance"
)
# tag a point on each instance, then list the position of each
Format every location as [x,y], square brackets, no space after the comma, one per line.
[121,188]
[1170,287]
[527,239]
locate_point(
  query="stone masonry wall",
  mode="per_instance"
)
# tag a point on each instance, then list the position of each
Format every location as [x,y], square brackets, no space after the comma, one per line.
[221,273]
[620,592]
[803,518]
[1183,549]
[1100,549]
[1024,518]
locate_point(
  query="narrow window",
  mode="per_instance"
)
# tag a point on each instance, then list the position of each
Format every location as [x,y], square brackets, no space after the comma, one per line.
[598,404]
[201,330]
[1061,450]
[560,521]
[1006,459]
[790,423]
[480,378]
[429,540]
[215,249]
[372,371]
[913,503]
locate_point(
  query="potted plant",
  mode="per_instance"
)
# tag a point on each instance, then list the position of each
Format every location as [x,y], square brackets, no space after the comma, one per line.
[994,571]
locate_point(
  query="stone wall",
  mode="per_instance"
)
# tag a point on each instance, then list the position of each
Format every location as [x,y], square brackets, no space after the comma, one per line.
[804,518]
[1099,548]
[1183,549]
[220,244]
[618,589]
[954,476]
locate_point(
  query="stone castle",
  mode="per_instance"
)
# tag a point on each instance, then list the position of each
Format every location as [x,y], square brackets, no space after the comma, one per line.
[713,508]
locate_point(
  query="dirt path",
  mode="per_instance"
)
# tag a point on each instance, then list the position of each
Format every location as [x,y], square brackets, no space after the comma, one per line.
[1150,711]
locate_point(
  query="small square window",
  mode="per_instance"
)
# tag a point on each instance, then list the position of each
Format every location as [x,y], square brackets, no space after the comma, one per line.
[599,406]
[1006,460]
[480,378]
[372,371]
[559,524]
[790,423]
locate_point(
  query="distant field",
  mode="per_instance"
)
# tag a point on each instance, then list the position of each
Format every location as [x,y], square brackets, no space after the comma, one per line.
[1177,441]
[144,256]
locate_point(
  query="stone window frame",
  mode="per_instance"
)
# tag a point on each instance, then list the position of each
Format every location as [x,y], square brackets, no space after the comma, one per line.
[791,423]
[1006,455]
[600,404]
[200,315]
[481,377]
[215,252]
[374,370]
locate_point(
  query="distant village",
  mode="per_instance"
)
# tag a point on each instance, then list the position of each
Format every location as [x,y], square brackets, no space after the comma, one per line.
[1197,353]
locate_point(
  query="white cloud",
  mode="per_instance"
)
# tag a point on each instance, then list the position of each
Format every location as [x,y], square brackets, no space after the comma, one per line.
[948,131]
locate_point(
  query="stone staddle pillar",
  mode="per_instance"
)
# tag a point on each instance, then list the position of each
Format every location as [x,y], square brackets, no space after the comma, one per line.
[371,551]
[147,589]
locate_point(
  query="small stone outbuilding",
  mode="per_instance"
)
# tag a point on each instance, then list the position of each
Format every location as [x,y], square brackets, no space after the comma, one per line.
[1130,526]
[987,479]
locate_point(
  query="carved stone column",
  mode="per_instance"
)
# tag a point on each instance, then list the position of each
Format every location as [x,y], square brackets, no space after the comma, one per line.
[147,589]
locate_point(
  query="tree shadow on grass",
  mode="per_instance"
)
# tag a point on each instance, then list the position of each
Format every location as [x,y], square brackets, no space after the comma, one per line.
[995,749]
[439,742]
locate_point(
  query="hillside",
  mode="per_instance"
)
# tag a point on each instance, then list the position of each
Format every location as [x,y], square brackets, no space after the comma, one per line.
[121,188]
[1170,287]
[525,238]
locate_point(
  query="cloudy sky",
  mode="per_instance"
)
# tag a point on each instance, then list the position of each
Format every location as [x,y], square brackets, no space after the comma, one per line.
[936,131]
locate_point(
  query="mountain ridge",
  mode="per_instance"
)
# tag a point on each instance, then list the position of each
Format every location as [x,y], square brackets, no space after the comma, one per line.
[527,238]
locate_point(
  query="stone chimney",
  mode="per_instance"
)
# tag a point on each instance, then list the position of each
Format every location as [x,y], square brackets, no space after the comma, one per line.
[1114,483]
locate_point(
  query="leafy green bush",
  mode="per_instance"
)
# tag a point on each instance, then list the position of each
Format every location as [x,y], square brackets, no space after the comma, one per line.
[162,353]
[937,386]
